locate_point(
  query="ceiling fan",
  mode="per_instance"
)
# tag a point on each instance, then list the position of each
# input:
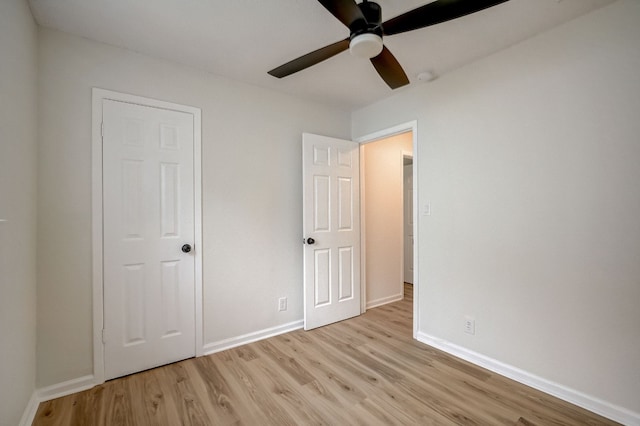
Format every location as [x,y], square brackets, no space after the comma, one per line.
[366,28]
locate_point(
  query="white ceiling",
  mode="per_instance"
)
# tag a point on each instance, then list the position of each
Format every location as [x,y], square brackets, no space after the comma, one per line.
[243,39]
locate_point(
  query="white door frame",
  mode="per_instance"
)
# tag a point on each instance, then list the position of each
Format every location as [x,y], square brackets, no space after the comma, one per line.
[411,126]
[98,95]
[404,156]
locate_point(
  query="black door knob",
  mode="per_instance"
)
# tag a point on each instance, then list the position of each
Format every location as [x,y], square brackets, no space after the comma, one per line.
[186,248]
[310,241]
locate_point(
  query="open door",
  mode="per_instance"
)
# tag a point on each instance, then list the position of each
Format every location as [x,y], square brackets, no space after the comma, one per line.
[331,226]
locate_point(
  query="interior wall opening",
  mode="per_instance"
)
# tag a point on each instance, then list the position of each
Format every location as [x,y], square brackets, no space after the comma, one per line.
[385,162]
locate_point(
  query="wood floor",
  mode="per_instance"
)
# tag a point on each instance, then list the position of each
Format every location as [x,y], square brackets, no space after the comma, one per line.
[363,371]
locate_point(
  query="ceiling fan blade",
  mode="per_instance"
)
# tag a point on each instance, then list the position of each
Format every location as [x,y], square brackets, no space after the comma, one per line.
[347,12]
[389,69]
[435,13]
[310,59]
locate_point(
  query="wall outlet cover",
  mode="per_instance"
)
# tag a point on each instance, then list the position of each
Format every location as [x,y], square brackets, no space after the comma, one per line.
[469,325]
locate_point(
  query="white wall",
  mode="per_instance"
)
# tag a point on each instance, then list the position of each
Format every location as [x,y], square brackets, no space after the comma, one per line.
[384,217]
[530,160]
[252,193]
[18,108]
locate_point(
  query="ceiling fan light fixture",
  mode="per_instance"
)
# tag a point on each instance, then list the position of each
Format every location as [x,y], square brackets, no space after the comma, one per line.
[366,45]
[366,30]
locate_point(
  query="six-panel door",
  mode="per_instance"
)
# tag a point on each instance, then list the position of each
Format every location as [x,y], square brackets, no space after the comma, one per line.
[331,217]
[148,201]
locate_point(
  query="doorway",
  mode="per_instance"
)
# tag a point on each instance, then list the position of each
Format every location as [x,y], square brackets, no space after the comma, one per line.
[385,224]
[147,260]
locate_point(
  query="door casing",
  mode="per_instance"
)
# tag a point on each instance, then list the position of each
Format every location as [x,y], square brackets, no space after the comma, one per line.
[98,95]
[406,156]
[411,126]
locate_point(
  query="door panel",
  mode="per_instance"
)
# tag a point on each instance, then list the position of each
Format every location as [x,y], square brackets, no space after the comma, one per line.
[134,300]
[148,202]
[169,199]
[345,204]
[170,272]
[322,277]
[331,217]
[346,285]
[321,203]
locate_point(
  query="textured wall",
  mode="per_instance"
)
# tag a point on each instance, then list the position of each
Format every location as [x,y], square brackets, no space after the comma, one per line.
[18,135]
[529,159]
[252,194]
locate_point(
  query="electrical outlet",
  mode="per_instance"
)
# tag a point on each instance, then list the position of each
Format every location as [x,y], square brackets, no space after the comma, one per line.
[469,325]
[282,304]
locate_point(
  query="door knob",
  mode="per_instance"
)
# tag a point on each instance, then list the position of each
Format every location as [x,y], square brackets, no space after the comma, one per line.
[310,241]
[186,248]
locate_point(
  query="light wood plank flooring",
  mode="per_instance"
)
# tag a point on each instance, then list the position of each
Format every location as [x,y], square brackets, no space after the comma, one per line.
[364,371]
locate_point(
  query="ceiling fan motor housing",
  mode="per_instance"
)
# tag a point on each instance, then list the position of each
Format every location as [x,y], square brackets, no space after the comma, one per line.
[366,36]
[373,18]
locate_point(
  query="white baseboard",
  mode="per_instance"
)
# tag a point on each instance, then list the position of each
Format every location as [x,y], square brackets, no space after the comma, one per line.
[54,391]
[588,402]
[30,411]
[66,388]
[232,342]
[384,300]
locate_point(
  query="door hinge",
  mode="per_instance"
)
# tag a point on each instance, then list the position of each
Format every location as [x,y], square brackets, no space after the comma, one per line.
[104,339]
[102,129]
